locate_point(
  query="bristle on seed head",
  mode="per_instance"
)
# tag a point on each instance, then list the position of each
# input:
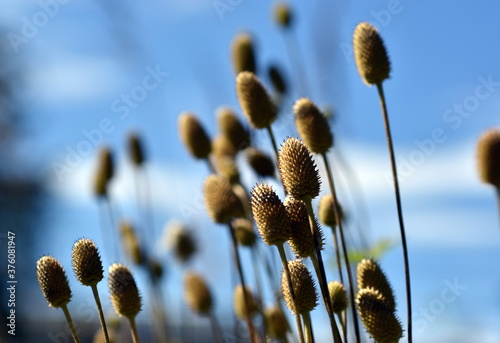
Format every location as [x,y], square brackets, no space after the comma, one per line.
[123,291]
[488,157]
[312,126]
[53,281]
[87,263]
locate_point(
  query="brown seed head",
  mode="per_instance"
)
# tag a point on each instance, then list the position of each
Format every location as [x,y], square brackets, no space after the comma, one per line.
[298,170]
[370,54]
[303,287]
[283,15]
[239,302]
[232,128]
[243,230]
[326,212]
[338,296]
[256,104]
[123,291]
[100,184]
[370,275]
[181,241]
[312,126]
[276,324]
[53,282]
[488,157]
[226,166]
[87,263]
[243,53]
[194,136]
[222,203]
[197,293]
[105,172]
[270,215]
[222,146]
[301,238]
[262,164]
[136,150]
[131,243]
[277,79]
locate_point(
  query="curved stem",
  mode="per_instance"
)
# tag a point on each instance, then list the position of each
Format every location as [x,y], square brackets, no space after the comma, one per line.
[133,329]
[309,331]
[399,206]
[337,254]
[273,140]
[70,323]
[100,312]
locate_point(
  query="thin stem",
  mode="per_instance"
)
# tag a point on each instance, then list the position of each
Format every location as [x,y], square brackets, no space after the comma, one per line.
[344,247]
[100,312]
[399,206]
[133,329]
[273,140]
[216,328]
[114,228]
[337,254]
[343,322]
[257,278]
[309,331]
[70,323]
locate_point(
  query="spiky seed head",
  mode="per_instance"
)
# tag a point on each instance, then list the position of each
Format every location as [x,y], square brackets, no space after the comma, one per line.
[222,203]
[338,296]
[298,170]
[181,241]
[239,302]
[87,263]
[303,286]
[254,100]
[243,52]
[370,54]
[276,323]
[378,319]
[194,136]
[283,15]
[53,281]
[261,163]
[227,167]
[326,211]
[197,293]
[312,126]
[131,243]
[136,150]
[232,128]
[277,79]
[123,291]
[222,146]
[301,238]
[270,215]
[371,275]
[243,230]
[488,157]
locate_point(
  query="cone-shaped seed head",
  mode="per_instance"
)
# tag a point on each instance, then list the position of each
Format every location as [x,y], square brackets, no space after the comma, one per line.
[221,202]
[194,136]
[488,157]
[131,243]
[239,302]
[197,293]
[226,166]
[370,54]
[232,128]
[270,215]
[326,211]
[86,262]
[107,163]
[301,238]
[100,183]
[378,319]
[371,275]
[283,15]
[222,146]
[123,291]
[298,170]
[303,287]
[243,53]
[181,241]
[256,104]
[312,126]
[338,296]
[136,150]
[276,324]
[105,171]
[53,282]
[243,230]
[262,164]
[277,79]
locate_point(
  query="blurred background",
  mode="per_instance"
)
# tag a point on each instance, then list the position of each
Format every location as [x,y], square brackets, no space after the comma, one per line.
[72,78]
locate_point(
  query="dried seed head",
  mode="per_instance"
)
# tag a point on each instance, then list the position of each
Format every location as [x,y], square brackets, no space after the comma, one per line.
[194,136]
[326,212]
[298,170]
[370,54]
[197,294]
[262,164]
[370,275]
[232,128]
[283,15]
[488,157]
[243,230]
[100,184]
[155,269]
[239,302]
[277,79]
[312,126]
[276,324]
[131,243]
[243,53]
[301,238]
[270,215]
[338,296]
[181,241]
[256,104]
[105,172]
[136,150]
[378,319]
[226,166]
[221,201]
[53,281]
[303,286]
[87,263]
[222,146]
[123,291]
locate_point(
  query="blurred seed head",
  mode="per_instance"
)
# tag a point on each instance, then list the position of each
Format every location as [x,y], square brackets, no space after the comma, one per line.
[243,52]
[338,296]
[303,286]
[370,54]
[232,128]
[197,293]
[222,203]
[370,275]
[222,146]
[243,230]
[326,211]
[276,323]
[488,157]
[283,15]
[136,150]
[261,163]
[226,166]
[239,302]
[277,80]
[254,100]
[298,170]
[270,215]
[53,281]
[312,126]
[123,291]
[87,263]
[181,241]
[194,136]
[131,243]
[301,238]
[104,173]
[155,268]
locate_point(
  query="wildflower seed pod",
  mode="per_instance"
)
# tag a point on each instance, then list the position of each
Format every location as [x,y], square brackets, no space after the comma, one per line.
[131,243]
[232,128]
[301,238]
[100,184]
[155,269]
[326,211]
[194,136]
[136,150]
[283,15]
[262,164]
[53,281]
[298,170]
[197,293]
[254,100]
[181,241]
[239,302]
[226,166]
[270,215]
[123,291]
[277,80]
[338,296]
[303,286]
[276,324]
[370,54]
[87,263]
[243,53]
[243,230]
[488,157]
[222,203]
[378,319]
[370,275]
[107,164]
[312,126]
[222,146]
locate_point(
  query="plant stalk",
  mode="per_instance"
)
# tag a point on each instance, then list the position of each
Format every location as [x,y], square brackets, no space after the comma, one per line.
[70,323]
[216,328]
[133,329]
[100,312]
[309,331]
